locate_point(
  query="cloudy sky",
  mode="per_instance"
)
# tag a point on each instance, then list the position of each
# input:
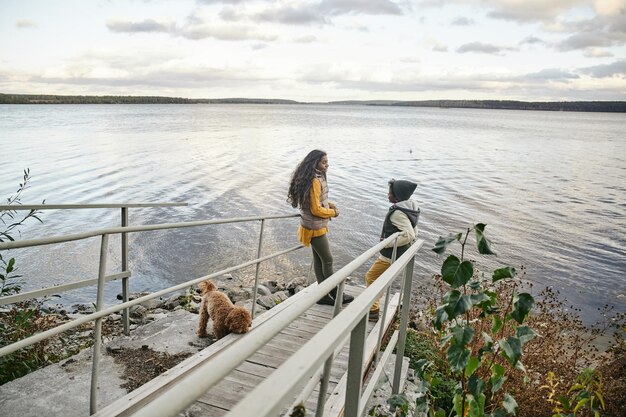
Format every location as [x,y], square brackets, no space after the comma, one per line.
[316,50]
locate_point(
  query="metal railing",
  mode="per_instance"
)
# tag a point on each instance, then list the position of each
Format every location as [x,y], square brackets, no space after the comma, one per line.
[124,275]
[277,392]
[101,311]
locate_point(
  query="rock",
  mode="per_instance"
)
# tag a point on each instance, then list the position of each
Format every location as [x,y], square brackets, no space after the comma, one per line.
[114,317]
[83,309]
[227,276]
[173,302]
[269,301]
[138,311]
[296,290]
[152,316]
[273,286]
[152,304]
[133,295]
[237,294]
[294,283]
[263,290]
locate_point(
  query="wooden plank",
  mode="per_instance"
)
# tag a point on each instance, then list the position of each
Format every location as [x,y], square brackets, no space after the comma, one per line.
[131,402]
[255,369]
[335,403]
[225,395]
[204,410]
[301,332]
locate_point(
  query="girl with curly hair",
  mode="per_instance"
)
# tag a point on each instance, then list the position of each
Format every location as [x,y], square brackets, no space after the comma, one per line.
[308,190]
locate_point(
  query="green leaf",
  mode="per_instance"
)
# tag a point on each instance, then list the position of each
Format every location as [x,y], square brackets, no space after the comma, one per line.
[457,404]
[398,400]
[472,365]
[509,404]
[456,304]
[455,272]
[479,298]
[497,377]
[525,334]
[496,324]
[512,348]
[458,357]
[476,408]
[522,304]
[462,335]
[474,285]
[443,242]
[476,386]
[440,317]
[503,273]
[482,243]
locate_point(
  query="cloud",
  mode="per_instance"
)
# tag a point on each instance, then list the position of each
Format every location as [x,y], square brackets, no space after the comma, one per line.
[193,78]
[440,48]
[598,32]
[306,39]
[531,40]
[147,25]
[483,48]
[462,21]
[372,7]
[550,74]
[226,32]
[290,15]
[597,53]
[516,10]
[222,1]
[617,68]
[25,24]
[310,13]
[194,29]
[609,7]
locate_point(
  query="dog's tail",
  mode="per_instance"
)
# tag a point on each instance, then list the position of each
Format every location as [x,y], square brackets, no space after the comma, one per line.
[207,286]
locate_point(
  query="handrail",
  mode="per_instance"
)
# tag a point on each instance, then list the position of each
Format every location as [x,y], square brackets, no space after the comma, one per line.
[206,376]
[18,207]
[131,229]
[124,242]
[29,295]
[283,383]
[101,311]
[105,312]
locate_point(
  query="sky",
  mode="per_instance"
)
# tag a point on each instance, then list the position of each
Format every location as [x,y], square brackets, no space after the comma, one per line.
[316,50]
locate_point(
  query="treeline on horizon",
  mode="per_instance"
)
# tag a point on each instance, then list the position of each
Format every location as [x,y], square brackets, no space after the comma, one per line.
[585,106]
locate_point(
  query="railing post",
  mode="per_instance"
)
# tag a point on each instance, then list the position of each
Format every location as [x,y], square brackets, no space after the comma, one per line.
[258,265]
[93,400]
[125,312]
[383,318]
[355,368]
[404,324]
[328,365]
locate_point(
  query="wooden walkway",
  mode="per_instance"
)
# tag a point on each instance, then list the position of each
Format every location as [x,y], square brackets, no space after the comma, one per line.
[228,392]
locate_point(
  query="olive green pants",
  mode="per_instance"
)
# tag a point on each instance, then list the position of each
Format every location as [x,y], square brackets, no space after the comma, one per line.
[322,258]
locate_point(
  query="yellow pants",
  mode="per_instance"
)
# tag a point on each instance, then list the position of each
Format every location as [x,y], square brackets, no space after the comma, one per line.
[372,275]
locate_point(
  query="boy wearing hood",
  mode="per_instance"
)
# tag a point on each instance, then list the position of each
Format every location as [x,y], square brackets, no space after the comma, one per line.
[401,217]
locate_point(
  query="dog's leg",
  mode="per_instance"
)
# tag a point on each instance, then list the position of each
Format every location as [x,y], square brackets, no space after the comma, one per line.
[204,319]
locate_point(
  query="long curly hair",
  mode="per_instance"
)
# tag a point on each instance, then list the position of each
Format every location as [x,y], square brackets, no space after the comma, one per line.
[302,179]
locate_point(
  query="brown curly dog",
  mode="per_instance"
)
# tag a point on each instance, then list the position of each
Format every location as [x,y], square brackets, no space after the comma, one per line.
[227,318]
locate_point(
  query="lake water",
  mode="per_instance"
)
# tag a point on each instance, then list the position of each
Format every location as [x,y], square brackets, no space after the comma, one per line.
[550,186]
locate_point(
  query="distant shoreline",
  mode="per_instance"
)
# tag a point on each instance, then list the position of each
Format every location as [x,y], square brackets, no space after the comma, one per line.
[581,106]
